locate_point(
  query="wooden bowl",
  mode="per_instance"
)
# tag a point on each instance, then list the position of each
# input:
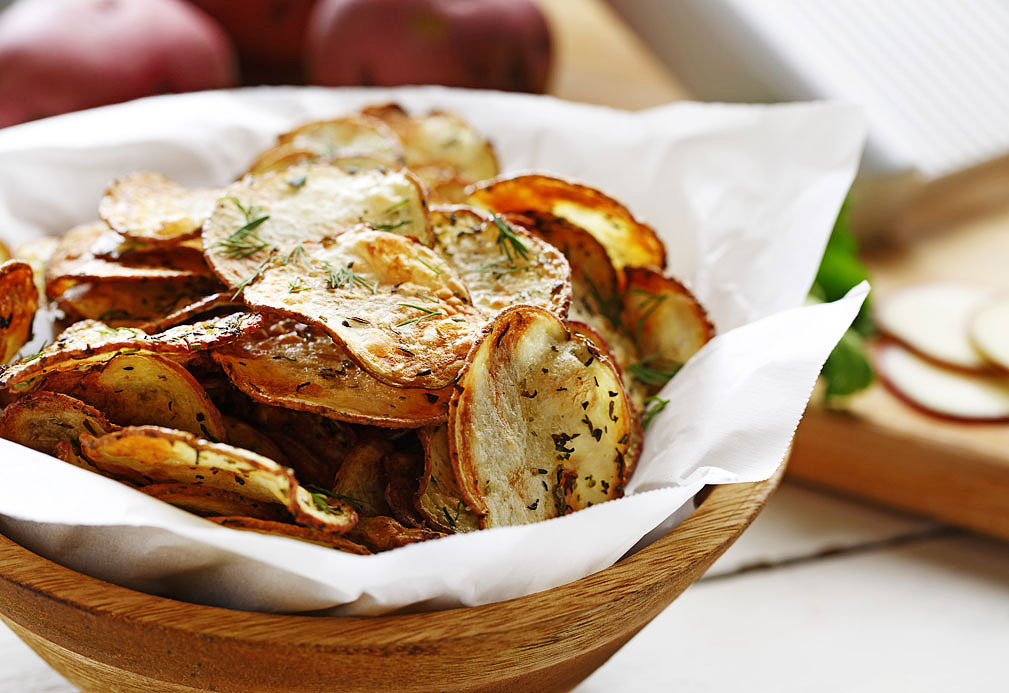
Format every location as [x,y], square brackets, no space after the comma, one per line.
[102,637]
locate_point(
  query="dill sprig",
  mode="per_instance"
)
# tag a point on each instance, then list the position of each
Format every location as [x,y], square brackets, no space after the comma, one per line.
[393,227]
[243,242]
[322,496]
[295,254]
[346,276]
[509,241]
[296,286]
[653,405]
[253,277]
[647,307]
[654,370]
[428,313]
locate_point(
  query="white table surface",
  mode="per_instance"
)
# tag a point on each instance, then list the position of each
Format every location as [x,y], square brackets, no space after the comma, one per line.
[820,594]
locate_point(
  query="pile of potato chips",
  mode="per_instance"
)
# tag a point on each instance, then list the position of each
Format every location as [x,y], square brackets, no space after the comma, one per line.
[371,339]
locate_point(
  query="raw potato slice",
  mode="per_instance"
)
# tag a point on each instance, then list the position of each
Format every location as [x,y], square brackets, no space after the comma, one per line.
[144,388]
[290,365]
[439,499]
[207,501]
[18,303]
[384,533]
[934,320]
[281,529]
[152,208]
[501,263]
[244,435]
[73,261]
[402,314]
[945,392]
[42,420]
[628,242]
[989,330]
[86,343]
[361,480]
[350,135]
[134,304]
[272,214]
[540,425]
[152,455]
[667,323]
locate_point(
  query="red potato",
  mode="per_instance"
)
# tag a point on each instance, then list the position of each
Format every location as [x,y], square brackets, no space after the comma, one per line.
[64,55]
[491,44]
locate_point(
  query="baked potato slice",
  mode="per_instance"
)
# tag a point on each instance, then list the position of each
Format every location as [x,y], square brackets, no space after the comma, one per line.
[291,365]
[382,533]
[207,501]
[153,209]
[402,314]
[284,156]
[361,479]
[439,499]
[356,135]
[37,253]
[501,263]
[19,299]
[133,304]
[283,529]
[628,242]
[540,425]
[41,420]
[244,435]
[154,455]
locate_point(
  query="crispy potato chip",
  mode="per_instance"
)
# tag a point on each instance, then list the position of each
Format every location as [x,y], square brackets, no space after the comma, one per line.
[540,424]
[383,533]
[619,349]
[284,156]
[328,442]
[355,135]
[152,208]
[86,343]
[439,146]
[114,246]
[144,388]
[73,262]
[361,480]
[64,450]
[220,303]
[37,253]
[152,455]
[248,437]
[43,419]
[18,303]
[501,263]
[403,470]
[667,323]
[628,242]
[402,314]
[290,365]
[269,216]
[136,304]
[439,499]
[5,252]
[281,529]
[208,501]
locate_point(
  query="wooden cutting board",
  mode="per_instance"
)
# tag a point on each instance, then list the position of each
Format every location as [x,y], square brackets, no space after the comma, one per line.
[878,448]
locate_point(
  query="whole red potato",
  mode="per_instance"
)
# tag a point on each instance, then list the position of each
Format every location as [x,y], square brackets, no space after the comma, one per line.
[269,36]
[491,44]
[64,55]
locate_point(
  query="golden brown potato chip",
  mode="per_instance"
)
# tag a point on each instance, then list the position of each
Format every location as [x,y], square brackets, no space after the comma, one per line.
[220,303]
[37,253]
[147,389]
[264,217]
[618,348]
[244,435]
[381,533]
[209,501]
[5,252]
[152,455]
[73,262]
[64,450]
[540,424]
[628,242]
[403,470]
[402,314]
[152,208]
[327,442]
[361,480]
[440,146]
[439,499]
[501,263]
[667,323]
[286,155]
[18,303]
[133,304]
[40,420]
[357,135]
[281,529]
[86,343]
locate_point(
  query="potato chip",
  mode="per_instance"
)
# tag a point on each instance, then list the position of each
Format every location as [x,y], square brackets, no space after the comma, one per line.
[286,155]
[439,499]
[64,450]
[205,305]
[18,303]
[356,135]
[37,253]
[281,529]
[43,419]
[618,348]
[328,442]
[500,262]
[144,388]
[208,501]
[89,342]
[628,242]
[361,480]
[403,469]
[136,304]
[382,533]
[152,208]
[667,323]
[269,216]
[73,261]
[540,425]
[439,146]
[248,437]
[402,314]
[291,365]
[5,252]
[152,455]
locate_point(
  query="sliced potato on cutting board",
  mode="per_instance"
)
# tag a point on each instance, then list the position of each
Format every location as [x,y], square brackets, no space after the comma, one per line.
[989,330]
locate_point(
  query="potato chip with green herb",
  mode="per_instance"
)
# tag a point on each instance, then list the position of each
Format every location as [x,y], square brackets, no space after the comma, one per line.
[154,209]
[439,499]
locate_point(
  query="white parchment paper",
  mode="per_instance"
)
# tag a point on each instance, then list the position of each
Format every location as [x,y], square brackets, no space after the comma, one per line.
[743,196]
